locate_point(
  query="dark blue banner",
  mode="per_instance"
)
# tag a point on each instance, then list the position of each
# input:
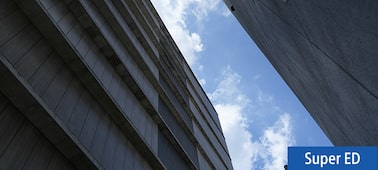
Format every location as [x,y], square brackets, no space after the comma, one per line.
[333,158]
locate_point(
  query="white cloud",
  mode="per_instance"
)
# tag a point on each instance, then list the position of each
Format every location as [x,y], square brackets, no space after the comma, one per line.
[228,87]
[204,6]
[202,82]
[268,151]
[175,13]
[238,138]
[275,141]
[230,103]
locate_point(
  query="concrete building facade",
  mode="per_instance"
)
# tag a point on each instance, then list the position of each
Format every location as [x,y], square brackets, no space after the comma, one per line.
[100,84]
[327,52]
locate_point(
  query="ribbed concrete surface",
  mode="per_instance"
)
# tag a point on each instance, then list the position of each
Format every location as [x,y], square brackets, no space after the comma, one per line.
[100,85]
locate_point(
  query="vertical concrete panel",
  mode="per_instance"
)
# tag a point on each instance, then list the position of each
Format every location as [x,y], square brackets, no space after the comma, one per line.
[90,58]
[57,88]
[45,74]
[17,152]
[115,85]
[130,157]
[47,4]
[57,11]
[11,25]
[83,46]
[99,67]
[33,59]
[178,131]
[90,125]
[75,34]
[110,147]
[19,45]
[151,133]
[22,146]
[68,101]
[120,154]
[203,164]
[58,162]
[168,155]
[10,123]
[67,23]
[154,136]
[140,121]
[98,143]
[80,113]
[122,98]
[40,156]
[107,76]
[208,149]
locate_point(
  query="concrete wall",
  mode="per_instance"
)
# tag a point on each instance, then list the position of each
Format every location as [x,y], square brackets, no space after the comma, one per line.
[23,146]
[326,51]
[105,84]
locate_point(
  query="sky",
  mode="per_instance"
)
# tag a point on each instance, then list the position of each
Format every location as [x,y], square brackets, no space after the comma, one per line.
[259,114]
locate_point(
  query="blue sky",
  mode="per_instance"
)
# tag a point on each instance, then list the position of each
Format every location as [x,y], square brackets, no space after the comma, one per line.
[260,115]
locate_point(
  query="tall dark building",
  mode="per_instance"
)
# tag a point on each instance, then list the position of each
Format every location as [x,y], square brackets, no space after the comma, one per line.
[100,84]
[327,52]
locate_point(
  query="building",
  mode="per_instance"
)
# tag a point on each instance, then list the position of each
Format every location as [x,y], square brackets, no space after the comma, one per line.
[326,51]
[95,84]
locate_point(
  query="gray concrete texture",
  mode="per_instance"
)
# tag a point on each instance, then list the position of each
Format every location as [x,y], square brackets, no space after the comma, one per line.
[100,85]
[326,51]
